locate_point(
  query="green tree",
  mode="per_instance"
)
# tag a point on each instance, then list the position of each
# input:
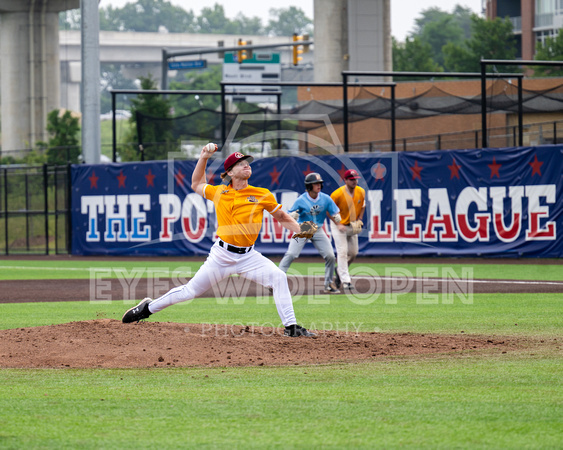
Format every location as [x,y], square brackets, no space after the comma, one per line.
[63,146]
[286,21]
[550,50]
[111,77]
[438,34]
[148,16]
[413,55]
[428,16]
[460,15]
[151,15]
[248,25]
[437,28]
[110,19]
[463,17]
[459,58]
[210,80]
[214,21]
[490,39]
[69,20]
[157,136]
[203,110]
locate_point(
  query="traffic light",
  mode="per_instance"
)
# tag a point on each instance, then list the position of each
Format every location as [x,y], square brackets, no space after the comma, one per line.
[248,52]
[221,44]
[306,46]
[241,54]
[297,49]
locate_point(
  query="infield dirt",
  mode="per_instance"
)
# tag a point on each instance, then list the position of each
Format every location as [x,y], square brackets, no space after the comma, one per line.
[107,343]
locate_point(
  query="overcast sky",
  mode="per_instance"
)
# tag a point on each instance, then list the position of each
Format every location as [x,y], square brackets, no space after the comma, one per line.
[403,12]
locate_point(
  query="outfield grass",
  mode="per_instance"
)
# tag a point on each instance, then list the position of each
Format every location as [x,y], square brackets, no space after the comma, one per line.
[71,269]
[475,400]
[498,402]
[499,314]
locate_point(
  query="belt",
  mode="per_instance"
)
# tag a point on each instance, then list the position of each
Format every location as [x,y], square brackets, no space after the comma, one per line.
[233,249]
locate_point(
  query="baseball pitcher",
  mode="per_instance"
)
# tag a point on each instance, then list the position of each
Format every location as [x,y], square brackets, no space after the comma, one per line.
[239,208]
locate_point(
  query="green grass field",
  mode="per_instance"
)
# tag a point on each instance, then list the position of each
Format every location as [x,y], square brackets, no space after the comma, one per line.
[474,400]
[70,269]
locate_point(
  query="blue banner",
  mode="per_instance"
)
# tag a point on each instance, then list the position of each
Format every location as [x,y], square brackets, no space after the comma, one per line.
[483,202]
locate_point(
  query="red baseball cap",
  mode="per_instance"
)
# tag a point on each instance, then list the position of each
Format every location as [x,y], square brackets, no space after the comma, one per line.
[235,158]
[351,174]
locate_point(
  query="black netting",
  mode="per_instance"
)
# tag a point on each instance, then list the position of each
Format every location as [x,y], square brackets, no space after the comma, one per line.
[252,121]
[205,125]
[502,96]
[201,124]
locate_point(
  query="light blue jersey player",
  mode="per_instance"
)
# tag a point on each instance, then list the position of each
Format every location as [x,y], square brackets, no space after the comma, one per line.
[316,206]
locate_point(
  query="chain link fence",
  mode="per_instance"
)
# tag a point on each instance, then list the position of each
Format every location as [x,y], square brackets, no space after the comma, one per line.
[34,209]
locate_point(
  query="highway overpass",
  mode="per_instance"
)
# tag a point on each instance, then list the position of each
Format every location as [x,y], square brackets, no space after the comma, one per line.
[139,54]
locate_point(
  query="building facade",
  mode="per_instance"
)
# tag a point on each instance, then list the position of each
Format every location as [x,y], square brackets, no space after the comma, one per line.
[533,21]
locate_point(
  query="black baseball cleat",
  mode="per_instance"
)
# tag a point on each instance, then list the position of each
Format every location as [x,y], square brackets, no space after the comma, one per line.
[139,312]
[331,290]
[347,286]
[337,281]
[296,330]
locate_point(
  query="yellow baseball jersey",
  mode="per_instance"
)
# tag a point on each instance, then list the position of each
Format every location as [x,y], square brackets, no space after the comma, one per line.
[239,213]
[350,206]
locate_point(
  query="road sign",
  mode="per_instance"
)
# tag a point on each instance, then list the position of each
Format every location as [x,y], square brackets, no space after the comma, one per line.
[183,65]
[262,67]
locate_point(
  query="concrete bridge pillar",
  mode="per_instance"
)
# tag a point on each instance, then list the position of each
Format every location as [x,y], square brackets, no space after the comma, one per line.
[29,69]
[351,35]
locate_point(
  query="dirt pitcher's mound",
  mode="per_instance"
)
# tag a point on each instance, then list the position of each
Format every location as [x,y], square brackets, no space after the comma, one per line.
[110,344]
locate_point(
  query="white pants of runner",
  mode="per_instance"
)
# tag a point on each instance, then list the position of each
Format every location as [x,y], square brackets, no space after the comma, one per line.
[346,251]
[322,244]
[219,265]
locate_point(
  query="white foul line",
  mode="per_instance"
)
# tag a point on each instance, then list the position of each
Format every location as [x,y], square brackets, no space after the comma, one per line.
[461,280]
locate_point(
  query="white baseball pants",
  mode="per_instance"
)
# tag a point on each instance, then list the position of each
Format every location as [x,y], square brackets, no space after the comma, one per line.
[322,244]
[346,251]
[219,265]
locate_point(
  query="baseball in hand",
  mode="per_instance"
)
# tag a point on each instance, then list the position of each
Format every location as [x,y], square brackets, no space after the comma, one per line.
[211,147]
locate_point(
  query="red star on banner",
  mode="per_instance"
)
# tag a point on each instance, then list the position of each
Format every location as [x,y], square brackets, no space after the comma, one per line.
[342,171]
[308,170]
[454,170]
[150,178]
[416,169]
[494,168]
[93,180]
[210,178]
[536,166]
[121,179]
[275,176]
[379,171]
[179,176]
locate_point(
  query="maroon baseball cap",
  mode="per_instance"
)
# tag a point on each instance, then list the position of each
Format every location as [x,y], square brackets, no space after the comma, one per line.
[351,174]
[235,158]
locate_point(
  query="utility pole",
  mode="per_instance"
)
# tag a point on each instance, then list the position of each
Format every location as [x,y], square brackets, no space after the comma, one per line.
[90,95]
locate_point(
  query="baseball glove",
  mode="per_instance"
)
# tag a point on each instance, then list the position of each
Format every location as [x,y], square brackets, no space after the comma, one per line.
[308,229]
[356,227]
